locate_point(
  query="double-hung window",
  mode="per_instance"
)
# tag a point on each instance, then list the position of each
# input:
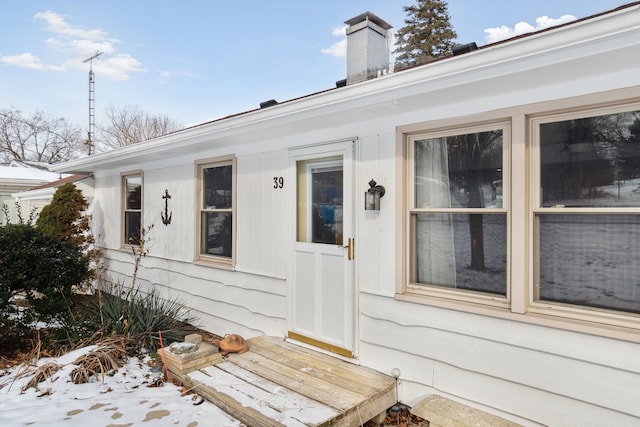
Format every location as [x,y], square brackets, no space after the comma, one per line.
[132,212]
[576,239]
[457,213]
[586,212]
[216,220]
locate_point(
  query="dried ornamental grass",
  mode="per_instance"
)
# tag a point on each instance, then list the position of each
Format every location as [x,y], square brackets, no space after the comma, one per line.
[108,357]
[41,374]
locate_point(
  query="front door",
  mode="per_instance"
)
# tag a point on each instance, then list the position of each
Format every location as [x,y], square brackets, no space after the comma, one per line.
[322,303]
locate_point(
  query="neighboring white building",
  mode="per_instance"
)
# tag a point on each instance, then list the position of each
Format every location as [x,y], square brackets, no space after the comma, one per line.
[18,177]
[34,199]
[502,268]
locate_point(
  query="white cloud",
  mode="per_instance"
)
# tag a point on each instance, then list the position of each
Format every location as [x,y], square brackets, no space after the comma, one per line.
[77,44]
[29,61]
[58,25]
[118,66]
[504,32]
[338,49]
[23,60]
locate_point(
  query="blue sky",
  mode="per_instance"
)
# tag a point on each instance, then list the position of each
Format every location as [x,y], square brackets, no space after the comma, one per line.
[197,60]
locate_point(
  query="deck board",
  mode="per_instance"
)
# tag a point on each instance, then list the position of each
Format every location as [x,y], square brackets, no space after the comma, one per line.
[316,364]
[306,410]
[298,380]
[278,383]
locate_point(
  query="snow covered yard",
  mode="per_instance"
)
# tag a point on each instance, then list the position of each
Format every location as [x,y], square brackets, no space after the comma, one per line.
[127,397]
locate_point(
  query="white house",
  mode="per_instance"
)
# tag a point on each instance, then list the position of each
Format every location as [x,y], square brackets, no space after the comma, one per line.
[502,269]
[35,198]
[17,177]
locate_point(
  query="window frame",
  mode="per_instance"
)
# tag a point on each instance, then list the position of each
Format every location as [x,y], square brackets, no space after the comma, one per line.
[222,262]
[125,241]
[520,155]
[566,311]
[432,292]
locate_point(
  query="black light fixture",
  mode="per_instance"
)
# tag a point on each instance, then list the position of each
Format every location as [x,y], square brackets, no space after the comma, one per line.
[372,196]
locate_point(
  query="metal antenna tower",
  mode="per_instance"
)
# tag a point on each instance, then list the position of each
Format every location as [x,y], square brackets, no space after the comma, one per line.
[92,102]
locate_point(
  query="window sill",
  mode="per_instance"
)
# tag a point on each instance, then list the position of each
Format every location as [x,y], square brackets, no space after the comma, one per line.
[215,263]
[593,324]
[129,248]
[456,296]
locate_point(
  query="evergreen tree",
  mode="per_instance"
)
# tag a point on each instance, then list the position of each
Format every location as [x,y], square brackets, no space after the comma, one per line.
[427,34]
[64,217]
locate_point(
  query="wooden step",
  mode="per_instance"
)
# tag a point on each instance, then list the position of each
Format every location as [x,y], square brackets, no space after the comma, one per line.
[443,412]
[277,383]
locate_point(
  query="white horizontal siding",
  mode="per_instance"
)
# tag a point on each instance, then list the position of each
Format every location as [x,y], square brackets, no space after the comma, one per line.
[226,302]
[505,364]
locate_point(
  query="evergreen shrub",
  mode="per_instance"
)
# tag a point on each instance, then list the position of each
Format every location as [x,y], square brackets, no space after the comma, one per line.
[39,270]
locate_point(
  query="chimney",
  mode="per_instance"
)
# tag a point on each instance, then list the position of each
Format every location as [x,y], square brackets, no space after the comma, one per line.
[367,47]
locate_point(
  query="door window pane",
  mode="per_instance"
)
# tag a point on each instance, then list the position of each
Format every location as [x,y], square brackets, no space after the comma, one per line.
[320,200]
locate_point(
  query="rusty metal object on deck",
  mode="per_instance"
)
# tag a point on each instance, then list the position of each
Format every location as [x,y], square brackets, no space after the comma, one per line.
[232,343]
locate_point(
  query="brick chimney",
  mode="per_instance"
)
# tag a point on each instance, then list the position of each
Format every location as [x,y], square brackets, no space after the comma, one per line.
[367,47]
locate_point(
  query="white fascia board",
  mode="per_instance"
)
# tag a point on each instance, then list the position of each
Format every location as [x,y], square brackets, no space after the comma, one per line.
[603,34]
[22,183]
[42,193]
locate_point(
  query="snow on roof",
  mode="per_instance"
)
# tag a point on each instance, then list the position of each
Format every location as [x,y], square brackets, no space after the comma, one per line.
[59,182]
[28,174]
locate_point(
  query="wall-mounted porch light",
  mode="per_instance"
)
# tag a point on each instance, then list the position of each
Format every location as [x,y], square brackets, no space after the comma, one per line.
[372,196]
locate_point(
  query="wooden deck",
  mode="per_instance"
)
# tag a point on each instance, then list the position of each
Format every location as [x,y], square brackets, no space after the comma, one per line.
[277,383]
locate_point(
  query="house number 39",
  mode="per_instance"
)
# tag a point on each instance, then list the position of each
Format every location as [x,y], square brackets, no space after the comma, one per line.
[278,182]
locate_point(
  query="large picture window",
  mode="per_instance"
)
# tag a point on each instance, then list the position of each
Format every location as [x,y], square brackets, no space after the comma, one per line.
[457,213]
[132,212]
[587,212]
[216,219]
[535,217]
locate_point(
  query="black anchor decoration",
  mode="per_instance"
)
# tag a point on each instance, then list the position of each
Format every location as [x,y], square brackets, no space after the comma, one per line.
[166,215]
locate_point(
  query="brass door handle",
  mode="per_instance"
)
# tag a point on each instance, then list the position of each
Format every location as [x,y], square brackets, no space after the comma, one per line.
[351,248]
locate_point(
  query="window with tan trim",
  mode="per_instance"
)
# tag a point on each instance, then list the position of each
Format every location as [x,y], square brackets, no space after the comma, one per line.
[457,213]
[132,197]
[216,207]
[586,212]
[560,230]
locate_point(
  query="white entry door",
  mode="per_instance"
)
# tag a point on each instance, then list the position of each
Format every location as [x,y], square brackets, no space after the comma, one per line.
[321,284]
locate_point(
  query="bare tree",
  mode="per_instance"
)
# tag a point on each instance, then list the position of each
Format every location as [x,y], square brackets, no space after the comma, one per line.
[130,125]
[38,137]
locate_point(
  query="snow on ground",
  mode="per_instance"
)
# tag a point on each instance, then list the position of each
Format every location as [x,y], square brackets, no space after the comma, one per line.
[125,398]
